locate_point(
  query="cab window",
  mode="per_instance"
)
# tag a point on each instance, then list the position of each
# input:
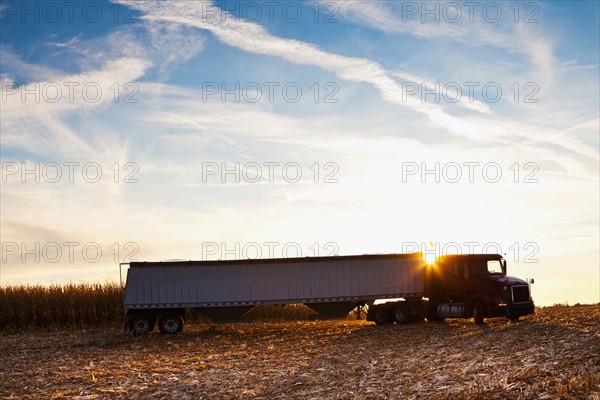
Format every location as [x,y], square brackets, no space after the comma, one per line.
[494,267]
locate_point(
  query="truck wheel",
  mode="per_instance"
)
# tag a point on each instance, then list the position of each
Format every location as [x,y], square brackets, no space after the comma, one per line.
[401,314]
[478,312]
[170,323]
[514,318]
[141,324]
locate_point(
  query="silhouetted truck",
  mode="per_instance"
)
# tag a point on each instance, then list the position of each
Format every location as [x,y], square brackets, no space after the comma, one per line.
[397,288]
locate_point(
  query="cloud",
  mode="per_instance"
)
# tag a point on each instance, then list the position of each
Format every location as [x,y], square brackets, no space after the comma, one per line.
[421,84]
[13,67]
[172,45]
[378,15]
[69,43]
[470,29]
[34,115]
[573,65]
[253,38]
[38,113]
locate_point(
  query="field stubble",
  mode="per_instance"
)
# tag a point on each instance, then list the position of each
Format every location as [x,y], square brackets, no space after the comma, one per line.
[552,355]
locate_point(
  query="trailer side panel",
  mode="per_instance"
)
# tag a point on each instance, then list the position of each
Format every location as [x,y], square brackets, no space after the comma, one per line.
[274,281]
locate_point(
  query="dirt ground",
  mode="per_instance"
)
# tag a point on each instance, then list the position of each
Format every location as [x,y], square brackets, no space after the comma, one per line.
[552,355]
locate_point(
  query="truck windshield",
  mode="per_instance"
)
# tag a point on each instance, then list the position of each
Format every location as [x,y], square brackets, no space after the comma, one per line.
[494,267]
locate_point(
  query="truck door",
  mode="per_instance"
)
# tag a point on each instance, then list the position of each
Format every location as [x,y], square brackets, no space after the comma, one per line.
[459,281]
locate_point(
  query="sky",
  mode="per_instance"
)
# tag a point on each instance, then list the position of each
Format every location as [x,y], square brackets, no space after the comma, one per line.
[239,129]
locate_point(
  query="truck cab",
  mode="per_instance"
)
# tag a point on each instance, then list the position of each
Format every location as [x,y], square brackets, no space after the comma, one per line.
[476,286]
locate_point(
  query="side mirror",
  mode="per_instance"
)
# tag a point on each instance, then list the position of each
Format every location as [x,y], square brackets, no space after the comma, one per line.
[532,281]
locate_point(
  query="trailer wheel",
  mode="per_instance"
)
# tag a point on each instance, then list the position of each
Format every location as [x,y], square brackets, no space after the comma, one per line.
[170,323]
[478,312]
[141,324]
[381,315]
[401,314]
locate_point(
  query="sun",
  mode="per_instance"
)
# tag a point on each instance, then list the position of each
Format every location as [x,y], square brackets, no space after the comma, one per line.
[430,257]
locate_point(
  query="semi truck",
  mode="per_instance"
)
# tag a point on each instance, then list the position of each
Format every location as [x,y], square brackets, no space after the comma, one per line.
[394,288]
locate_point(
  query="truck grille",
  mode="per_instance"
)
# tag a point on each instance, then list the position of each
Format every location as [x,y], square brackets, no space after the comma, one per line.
[520,294]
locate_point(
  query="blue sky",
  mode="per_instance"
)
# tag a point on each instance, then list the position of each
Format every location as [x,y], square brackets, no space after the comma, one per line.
[501,97]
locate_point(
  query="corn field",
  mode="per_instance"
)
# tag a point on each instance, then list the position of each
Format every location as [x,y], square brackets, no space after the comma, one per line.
[82,304]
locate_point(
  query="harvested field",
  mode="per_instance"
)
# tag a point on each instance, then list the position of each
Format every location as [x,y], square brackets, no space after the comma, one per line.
[552,355]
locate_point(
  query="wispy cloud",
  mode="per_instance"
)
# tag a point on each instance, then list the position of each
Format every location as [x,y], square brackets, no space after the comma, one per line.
[453,93]
[254,38]
[34,115]
[13,67]
[69,43]
[378,15]
[172,45]
[37,113]
[470,29]
[574,65]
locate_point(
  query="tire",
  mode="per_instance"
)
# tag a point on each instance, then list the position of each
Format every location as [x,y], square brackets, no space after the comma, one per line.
[478,312]
[381,315]
[514,318]
[170,323]
[401,314]
[141,324]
